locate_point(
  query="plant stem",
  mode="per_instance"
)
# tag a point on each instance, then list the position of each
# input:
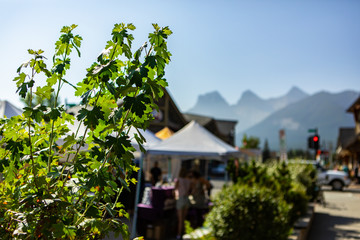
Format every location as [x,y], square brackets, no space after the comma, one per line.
[30,142]
[53,121]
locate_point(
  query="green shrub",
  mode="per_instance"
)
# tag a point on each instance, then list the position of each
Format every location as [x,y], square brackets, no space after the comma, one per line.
[243,212]
[252,173]
[294,192]
[306,175]
[294,182]
[298,199]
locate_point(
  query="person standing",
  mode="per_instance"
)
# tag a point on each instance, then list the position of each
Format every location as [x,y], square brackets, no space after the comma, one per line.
[182,191]
[155,173]
[200,201]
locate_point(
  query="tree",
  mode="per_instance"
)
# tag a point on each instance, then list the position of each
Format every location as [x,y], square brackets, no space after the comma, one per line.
[54,189]
[266,151]
[250,142]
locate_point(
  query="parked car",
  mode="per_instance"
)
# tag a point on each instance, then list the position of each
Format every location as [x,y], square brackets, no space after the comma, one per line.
[337,179]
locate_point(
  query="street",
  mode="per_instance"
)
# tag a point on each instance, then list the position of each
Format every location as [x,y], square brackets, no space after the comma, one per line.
[340,218]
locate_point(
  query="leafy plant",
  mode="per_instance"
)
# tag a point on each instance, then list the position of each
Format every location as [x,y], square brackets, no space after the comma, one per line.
[293,192]
[306,175]
[293,183]
[60,184]
[244,212]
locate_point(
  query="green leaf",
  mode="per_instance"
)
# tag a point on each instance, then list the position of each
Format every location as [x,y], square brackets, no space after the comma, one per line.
[124,184]
[20,79]
[69,141]
[55,113]
[44,92]
[52,80]
[85,96]
[136,104]
[91,117]
[131,26]
[70,232]
[135,78]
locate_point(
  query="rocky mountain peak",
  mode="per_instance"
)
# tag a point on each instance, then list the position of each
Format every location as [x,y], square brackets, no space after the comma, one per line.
[211,97]
[296,92]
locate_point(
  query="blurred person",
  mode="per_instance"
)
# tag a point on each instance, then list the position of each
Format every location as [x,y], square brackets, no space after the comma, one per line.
[182,191]
[155,173]
[199,201]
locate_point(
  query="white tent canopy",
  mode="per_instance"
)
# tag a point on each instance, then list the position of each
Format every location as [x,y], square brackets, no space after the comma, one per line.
[195,141]
[150,138]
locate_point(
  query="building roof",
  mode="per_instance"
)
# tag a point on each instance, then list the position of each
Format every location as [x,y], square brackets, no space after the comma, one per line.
[8,110]
[354,106]
[226,126]
[346,135]
[224,129]
[168,115]
[354,144]
[202,120]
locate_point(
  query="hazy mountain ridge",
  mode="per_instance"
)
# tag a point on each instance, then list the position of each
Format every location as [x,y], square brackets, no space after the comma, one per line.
[295,94]
[212,104]
[249,110]
[296,112]
[323,110]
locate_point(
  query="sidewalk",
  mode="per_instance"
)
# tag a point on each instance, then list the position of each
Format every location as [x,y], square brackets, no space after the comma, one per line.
[340,218]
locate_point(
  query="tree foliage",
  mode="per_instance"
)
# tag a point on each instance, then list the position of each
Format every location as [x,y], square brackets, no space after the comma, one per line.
[60,184]
[250,142]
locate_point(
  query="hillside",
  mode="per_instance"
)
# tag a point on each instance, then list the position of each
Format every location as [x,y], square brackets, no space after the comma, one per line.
[296,112]
[323,110]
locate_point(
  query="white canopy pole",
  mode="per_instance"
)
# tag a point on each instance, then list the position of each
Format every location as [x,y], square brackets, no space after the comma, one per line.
[138,185]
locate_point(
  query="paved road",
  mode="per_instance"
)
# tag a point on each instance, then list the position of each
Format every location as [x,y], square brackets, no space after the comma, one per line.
[340,218]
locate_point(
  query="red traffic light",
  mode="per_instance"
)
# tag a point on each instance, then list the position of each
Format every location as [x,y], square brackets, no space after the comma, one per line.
[315,138]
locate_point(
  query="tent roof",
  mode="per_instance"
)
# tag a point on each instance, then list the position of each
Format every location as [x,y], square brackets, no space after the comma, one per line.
[193,140]
[151,139]
[164,133]
[8,110]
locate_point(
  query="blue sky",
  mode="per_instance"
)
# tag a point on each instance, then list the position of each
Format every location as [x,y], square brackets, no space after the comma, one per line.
[228,46]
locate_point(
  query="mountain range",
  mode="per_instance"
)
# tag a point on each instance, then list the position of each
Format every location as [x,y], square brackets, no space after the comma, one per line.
[296,112]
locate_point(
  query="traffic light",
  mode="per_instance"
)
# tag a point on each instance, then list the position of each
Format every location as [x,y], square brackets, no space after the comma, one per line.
[316,140]
[313,142]
[310,142]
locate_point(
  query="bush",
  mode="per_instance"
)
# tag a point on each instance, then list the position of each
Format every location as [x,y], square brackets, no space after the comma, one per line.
[306,175]
[243,212]
[294,182]
[298,199]
[293,191]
